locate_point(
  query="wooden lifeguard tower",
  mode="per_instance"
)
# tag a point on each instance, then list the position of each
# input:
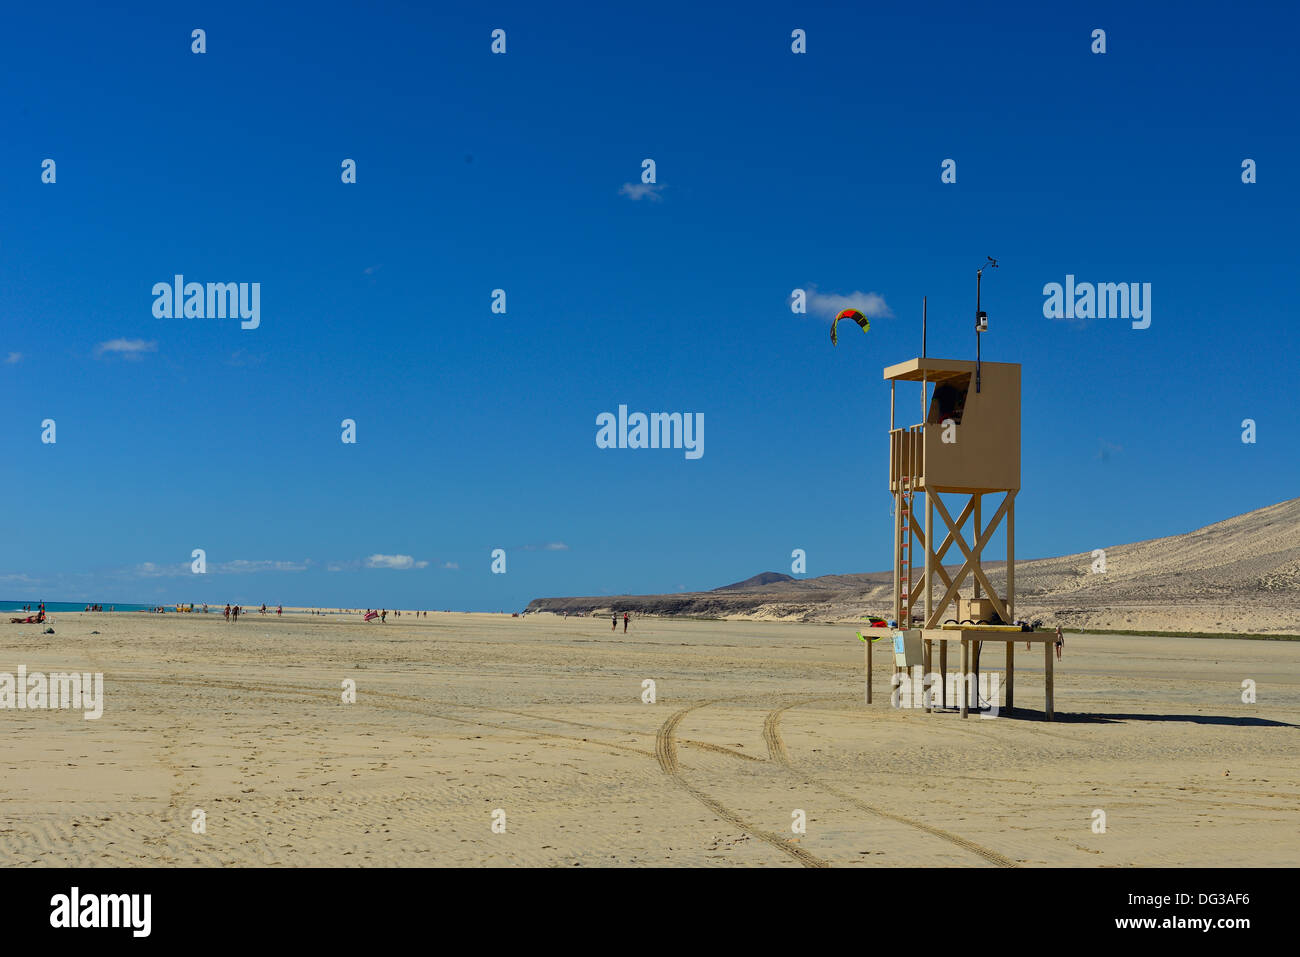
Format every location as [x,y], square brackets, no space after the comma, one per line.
[967,444]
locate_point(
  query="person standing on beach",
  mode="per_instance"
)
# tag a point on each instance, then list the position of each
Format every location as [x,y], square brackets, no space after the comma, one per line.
[1060,642]
[625,623]
[383,617]
[234,614]
[227,612]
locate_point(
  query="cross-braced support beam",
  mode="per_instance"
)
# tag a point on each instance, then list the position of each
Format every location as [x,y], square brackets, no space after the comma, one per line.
[972,566]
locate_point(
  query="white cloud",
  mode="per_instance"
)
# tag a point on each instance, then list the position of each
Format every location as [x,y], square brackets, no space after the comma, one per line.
[150,570]
[393,561]
[827,304]
[13,358]
[126,348]
[638,191]
[239,566]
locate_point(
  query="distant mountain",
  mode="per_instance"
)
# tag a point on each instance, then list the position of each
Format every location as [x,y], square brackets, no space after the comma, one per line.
[765,578]
[1238,575]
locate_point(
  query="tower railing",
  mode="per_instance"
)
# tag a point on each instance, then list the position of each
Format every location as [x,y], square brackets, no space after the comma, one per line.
[906,456]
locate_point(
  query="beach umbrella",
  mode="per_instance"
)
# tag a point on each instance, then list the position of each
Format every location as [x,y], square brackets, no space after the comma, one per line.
[853,314]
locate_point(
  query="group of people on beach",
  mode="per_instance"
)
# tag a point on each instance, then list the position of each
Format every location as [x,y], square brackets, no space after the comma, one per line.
[232,611]
[382,614]
[100,608]
[36,619]
[614,621]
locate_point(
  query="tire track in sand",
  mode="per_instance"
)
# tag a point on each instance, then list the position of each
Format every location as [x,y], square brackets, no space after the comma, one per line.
[666,752]
[317,691]
[778,753]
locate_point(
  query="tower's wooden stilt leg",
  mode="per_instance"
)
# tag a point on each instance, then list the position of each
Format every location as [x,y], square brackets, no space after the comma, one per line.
[925,675]
[1048,648]
[943,673]
[1011,675]
[868,647]
[965,670]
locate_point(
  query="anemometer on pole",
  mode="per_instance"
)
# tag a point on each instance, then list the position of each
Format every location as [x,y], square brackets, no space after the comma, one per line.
[981,317]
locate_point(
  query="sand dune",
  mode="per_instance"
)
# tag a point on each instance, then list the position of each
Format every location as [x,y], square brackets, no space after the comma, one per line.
[1239,575]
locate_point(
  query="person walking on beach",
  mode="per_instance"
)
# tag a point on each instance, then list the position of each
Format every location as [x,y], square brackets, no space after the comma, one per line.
[1060,642]
[625,623]
[383,617]
[227,613]
[234,614]
[279,610]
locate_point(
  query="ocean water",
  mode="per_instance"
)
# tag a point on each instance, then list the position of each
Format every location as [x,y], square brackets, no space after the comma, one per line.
[51,607]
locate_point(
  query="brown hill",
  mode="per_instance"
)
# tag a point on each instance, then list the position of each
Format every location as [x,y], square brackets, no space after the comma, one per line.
[1238,575]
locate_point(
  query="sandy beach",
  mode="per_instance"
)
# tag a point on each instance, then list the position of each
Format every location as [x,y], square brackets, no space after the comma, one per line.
[460,715]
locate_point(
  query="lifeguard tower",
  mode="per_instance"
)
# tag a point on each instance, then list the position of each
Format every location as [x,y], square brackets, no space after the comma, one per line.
[967,444]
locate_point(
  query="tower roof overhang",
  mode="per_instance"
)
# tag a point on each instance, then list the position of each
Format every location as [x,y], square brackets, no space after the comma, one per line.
[934,370]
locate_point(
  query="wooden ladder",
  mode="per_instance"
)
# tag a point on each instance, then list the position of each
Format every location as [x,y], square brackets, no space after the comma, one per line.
[904,551]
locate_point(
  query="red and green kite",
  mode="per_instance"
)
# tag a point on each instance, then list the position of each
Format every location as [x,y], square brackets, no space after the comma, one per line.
[853,314]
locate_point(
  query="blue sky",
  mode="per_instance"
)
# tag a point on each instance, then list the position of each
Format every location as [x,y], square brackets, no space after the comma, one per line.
[478,171]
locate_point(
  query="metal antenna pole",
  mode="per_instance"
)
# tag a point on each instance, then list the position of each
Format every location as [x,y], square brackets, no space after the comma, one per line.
[923,321]
[981,320]
[978,273]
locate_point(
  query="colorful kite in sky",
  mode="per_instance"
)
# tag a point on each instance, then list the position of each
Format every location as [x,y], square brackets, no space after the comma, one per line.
[853,314]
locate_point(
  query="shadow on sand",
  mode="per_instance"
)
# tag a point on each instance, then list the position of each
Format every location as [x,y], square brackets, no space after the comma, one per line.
[1213,719]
